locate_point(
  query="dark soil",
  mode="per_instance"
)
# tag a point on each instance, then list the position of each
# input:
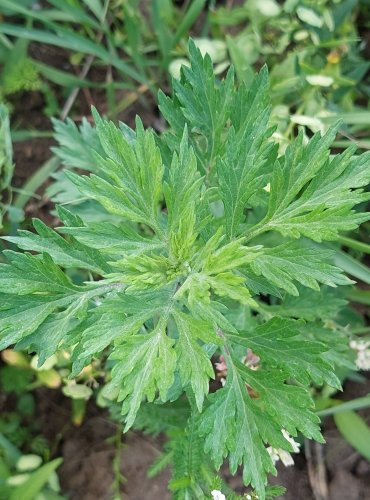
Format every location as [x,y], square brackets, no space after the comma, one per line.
[91,451]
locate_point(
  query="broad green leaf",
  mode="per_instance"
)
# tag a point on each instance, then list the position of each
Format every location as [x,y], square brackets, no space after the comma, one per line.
[355,430]
[77,391]
[309,16]
[28,462]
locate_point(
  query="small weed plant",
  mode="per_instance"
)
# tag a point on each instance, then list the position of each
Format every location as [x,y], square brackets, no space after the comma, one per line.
[210,292]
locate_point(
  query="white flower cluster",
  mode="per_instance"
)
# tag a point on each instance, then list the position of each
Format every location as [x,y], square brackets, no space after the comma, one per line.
[277,454]
[363,353]
[217,495]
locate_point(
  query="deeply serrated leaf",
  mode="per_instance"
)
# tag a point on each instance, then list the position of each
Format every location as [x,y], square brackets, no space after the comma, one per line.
[193,363]
[146,364]
[65,253]
[285,264]
[279,343]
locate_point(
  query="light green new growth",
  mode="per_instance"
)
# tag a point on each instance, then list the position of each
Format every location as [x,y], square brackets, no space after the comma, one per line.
[195,227]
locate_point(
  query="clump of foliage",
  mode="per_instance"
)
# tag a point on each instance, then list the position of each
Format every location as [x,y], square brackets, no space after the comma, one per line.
[208,244]
[19,72]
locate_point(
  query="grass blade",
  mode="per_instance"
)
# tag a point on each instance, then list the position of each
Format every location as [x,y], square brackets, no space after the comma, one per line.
[356,245]
[34,182]
[188,20]
[37,480]
[64,38]
[355,404]
[351,266]
[72,41]
[354,430]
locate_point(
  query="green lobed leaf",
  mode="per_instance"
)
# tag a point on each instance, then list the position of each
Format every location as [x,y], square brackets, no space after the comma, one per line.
[194,364]
[279,343]
[145,364]
[236,424]
[312,194]
[127,189]
[65,253]
[284,264]
[310,304]
[26,274]
[242,169]
[76,145]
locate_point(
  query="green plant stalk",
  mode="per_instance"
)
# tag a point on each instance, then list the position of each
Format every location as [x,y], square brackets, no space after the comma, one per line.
[359,296]
[35,181]
[355,404]
[355,244]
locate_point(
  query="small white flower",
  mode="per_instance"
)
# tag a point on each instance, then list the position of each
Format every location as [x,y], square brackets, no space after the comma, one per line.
[363,353]
[289,438]
[286,458]
[217,495]
[277,454]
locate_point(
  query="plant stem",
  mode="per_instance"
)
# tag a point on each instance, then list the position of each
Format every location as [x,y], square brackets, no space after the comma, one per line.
[356,245]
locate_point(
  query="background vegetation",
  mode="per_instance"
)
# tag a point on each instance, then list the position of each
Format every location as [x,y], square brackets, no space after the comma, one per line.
[59,57]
